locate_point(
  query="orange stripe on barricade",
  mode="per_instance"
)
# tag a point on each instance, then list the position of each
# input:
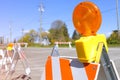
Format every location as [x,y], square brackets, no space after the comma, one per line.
[48,69]
[65,69]
[91,70]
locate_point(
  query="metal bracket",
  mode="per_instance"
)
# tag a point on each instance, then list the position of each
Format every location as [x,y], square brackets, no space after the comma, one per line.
[107,65]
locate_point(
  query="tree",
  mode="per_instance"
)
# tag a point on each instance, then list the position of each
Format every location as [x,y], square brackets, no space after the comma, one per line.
[57,24]
[29,37]
[65,32]
[114,38]
[33,36]
[75,35]
[58,32]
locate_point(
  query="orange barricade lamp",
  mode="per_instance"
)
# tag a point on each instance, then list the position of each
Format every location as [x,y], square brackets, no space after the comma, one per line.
[87,20]
[10,46]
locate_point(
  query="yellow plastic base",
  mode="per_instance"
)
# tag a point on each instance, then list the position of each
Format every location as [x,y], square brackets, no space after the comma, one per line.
[86,47]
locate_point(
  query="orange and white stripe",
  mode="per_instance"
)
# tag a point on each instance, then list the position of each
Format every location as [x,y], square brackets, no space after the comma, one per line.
[57,68]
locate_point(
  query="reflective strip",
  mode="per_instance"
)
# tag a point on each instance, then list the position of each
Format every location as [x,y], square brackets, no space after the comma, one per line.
[78,71]
[56,68]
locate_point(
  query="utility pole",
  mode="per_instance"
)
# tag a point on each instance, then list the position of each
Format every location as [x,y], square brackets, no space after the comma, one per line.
[10,30]
[41,9]
[22,34]
[117,18]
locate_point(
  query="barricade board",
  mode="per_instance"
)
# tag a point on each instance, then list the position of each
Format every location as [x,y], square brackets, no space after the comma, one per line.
[57,68]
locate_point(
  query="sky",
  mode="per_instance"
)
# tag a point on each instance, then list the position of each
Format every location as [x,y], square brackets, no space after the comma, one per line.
[24,14]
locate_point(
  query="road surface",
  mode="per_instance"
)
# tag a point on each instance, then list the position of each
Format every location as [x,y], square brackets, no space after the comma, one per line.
[38,56]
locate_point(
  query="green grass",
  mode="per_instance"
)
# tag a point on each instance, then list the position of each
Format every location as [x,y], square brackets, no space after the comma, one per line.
[66,45]
[113,45]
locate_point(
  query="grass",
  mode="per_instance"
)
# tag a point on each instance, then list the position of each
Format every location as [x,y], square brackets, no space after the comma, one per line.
[113,45]
[66,45]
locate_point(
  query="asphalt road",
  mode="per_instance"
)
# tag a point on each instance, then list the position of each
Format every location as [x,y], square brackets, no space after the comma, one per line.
[38,56]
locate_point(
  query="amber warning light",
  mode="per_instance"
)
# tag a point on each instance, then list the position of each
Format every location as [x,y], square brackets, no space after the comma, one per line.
[87,18]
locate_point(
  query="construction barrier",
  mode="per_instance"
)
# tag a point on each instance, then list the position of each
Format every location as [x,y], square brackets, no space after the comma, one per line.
[23,44]
[9,58]
[1,56]
[92,61]
[59,43]
[57,68]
